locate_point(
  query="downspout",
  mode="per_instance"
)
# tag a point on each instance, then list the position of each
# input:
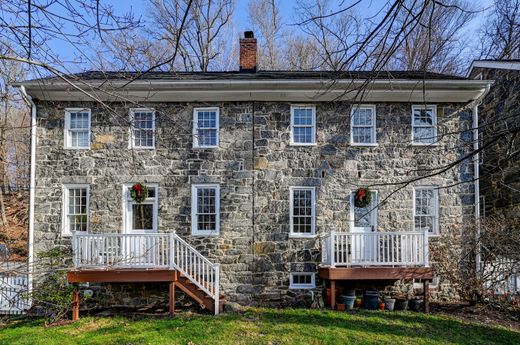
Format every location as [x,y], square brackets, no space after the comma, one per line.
[32,189]
[476,172]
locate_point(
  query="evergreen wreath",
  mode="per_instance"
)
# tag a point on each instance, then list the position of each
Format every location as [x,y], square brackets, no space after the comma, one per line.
[363,197]
[139,192]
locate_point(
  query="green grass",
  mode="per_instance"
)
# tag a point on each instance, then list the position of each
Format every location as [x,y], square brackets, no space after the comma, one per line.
[263,326]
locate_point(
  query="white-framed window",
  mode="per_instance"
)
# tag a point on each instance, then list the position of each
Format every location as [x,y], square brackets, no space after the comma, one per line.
[302,280]
[206,127]
[426,209]
[302,211]
[141,217]
[419,283]
[303,125]
[142,128]
[77,128]
[363,125]
[205,209]
[75,214]
[424,124]
[363,219]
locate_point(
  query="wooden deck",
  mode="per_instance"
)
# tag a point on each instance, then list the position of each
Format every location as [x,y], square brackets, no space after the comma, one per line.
[335,274]
[143,275]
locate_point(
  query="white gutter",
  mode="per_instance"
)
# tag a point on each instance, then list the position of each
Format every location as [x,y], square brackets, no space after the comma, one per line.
[32,189]
[476,172]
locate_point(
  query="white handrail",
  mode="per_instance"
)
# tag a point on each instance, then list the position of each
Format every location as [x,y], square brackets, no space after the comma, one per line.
[157,250]
[401,248]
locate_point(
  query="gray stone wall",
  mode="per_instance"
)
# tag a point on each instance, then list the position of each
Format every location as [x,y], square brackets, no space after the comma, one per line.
[254,248]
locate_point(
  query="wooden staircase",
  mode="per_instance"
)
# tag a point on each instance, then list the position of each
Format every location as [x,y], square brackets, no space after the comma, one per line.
[199,295]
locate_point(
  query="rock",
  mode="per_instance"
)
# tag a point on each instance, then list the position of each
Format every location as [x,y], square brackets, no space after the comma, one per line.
[233,308]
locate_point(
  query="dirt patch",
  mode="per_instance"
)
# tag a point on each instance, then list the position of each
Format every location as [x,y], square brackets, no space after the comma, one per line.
[480,314]
[14,233]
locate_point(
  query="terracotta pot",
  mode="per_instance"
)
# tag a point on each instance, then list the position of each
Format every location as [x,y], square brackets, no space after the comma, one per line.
[340,307]
[382,306]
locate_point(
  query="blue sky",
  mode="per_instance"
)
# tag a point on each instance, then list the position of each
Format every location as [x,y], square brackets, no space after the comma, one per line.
[367,8]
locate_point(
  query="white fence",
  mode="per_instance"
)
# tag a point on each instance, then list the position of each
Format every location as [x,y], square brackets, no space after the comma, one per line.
[375,249]
[165,250]
[13,294]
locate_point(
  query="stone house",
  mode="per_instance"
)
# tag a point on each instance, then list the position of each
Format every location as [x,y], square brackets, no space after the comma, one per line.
[252,177]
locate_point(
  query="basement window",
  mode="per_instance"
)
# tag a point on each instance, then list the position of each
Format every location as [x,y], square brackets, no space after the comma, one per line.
[303,125]
[302,280]
[77,128]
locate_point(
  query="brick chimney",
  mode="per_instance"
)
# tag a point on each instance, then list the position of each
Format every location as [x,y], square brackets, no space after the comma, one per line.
[248,53]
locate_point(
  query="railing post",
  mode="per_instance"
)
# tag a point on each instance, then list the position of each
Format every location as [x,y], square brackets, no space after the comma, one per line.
[217,288]
[332,248]
[426,251]
[75,249]
[172,239]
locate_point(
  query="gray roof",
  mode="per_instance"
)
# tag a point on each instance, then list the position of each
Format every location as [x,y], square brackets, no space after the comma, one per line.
[260,75]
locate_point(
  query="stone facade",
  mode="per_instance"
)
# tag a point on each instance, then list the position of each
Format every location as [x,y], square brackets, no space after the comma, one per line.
[499,118]
[255,165]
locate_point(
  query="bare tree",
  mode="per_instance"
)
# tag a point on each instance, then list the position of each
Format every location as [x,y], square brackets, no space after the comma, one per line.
[267,23]
[203,41]
[500,34]
[436,43]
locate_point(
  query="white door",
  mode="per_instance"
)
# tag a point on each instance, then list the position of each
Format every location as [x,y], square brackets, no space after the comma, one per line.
[140,219]
[363,224]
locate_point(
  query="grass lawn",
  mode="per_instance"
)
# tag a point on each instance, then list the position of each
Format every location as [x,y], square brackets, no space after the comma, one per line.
[263,326]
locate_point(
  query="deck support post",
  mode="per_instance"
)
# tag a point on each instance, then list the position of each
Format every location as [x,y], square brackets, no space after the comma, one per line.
[426,298]
[172,298]
[75,304]
[333,294]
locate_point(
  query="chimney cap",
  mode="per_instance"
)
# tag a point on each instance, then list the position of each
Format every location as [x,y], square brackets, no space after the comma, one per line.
[249,34]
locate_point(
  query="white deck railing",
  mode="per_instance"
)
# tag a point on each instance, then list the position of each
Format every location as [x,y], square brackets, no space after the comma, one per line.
[375,249]
[165,250]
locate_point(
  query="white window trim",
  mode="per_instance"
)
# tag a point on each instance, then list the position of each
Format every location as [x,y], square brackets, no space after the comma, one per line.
[132,137]
[194,223]
[374,126]
[127,223]
[435,134]
[351,211]
[196,127]
[66,128]
[434,283]
[313,213]
[312,285]
[297,106]
[436,231]
[65,225]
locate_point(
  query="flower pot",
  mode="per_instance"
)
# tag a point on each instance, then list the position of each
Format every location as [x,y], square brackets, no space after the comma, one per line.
[371,300]
[349,301]
[415,304]
[382,306]
[389,303]
[358,303]
[340,307]
[401,304]
[326,295]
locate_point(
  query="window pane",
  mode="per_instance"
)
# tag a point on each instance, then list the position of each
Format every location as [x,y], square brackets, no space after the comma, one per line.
[362,135]
[424,135]
[142,216]
[207,137]
[78,120]
[303,135]
[423,117]
[425,209]
[302,116]
[362,117]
